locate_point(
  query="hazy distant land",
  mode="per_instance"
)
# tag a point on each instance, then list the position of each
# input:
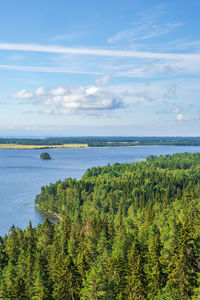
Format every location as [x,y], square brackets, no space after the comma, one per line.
[93,142]
[24,147]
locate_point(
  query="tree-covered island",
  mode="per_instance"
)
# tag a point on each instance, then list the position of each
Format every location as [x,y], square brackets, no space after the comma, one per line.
[129,231]
[45,156]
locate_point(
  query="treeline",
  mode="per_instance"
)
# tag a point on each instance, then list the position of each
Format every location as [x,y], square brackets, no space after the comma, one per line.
[105,141]
[92,141]
[129,231]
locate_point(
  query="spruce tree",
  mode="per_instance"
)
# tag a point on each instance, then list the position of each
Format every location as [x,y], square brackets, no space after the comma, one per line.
[67,280]
[155,274]
[184,265]
[136,280]
[96,285]
[66,233]
[19,289]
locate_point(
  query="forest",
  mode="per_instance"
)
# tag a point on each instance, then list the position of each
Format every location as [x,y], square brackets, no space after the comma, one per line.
[104,141]
[128,231]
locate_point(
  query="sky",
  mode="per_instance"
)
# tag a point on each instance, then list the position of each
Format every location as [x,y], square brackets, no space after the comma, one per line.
[99,68]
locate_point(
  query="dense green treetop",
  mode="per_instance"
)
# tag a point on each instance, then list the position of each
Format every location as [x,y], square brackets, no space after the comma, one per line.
[45,156]
[129,231]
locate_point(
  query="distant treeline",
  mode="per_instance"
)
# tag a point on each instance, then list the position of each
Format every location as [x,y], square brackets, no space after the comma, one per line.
[105,141]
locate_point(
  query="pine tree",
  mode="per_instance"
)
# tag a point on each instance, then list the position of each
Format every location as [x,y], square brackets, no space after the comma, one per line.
[83,265]
[67,280]
[12,245]
[8,280]
[96,285]
[3,255]
[42,288]
[183,266]
[136,280]
[29,260]
[155,274]
[18,289]
[66,233]
[45,236]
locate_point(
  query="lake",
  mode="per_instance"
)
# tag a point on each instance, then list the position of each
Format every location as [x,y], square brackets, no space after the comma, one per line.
[22,173]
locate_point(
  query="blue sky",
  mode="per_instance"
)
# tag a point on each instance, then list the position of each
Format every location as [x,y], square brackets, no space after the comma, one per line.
[70,68]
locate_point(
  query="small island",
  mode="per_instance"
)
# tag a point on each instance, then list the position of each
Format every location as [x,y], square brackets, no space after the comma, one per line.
[45,156]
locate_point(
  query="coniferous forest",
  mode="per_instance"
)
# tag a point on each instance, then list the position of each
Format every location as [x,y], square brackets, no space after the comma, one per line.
[104,141]
[128,231]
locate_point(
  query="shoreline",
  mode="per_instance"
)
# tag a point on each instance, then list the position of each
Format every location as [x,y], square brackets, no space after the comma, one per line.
[68,146]
[40,147]
[76,146]
[50,213]
[55,215]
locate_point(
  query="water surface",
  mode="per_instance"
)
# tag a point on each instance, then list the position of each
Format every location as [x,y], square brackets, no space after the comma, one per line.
[22,173]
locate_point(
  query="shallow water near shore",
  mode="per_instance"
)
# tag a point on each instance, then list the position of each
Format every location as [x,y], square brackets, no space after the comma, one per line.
[22,173]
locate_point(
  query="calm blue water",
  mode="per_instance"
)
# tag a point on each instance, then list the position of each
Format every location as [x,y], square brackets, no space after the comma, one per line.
[22,173]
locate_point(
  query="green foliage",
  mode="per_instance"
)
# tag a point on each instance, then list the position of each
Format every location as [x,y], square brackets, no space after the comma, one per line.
[67,280]
[136,286]
[45,156]
[95,284]
[184,264]
[111,141]
[129,231]
[155,274]
[164,294]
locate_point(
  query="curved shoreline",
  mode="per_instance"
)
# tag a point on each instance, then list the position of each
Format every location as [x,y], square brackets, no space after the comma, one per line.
[50,213]
[55,215]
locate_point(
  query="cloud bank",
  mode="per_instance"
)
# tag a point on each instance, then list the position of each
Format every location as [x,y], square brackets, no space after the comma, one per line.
[73,100]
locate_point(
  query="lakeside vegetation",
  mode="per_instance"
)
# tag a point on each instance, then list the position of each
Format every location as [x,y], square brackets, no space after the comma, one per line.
[76,142]
[128,231]
[45,156]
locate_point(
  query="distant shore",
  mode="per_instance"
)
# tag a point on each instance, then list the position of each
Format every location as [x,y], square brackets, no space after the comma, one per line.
[32,147]
[24,147]
[94,142]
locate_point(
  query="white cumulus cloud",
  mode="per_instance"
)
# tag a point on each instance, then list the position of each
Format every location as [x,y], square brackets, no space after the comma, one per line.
[58,91]
[73,100]
[23,94]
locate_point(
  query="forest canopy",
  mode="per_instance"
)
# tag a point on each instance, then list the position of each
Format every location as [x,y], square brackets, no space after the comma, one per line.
[129,231]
